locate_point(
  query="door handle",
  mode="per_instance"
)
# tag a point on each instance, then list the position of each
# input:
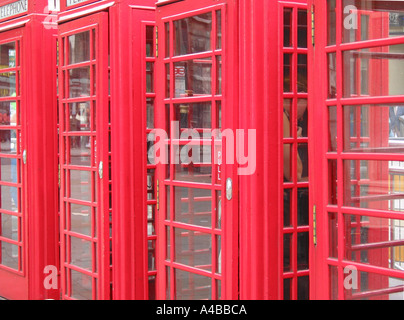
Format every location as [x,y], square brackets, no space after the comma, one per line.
[229,189]
[101,170]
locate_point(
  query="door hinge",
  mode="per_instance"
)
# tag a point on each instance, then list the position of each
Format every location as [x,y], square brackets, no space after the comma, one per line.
[158,195]
[157,42]
[315,225]
[312,26]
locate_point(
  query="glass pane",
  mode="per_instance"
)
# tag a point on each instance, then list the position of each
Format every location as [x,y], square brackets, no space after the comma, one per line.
[167,37]
[8,84]
[9,198]
[80,116]
[287,69]
[8,113]
[219,74]
[8,170]
[287,206]
[81,253]
[302,73]
[193,206]
[80,185]
[190,286]
[287,288]
[79,82]
[193,34]
[149,41]
[287,113]
[150,113]
[374,72]
[7,55]
[332,75]
[193,77]
[219,29]
[375,241]
[79,47]
[332,123]
[81,285]
[9,226]
[194,163]
[9,255]
[80,151]
[193,248]
[332,22]
[333,234]
[287,249]
[193,115]
[80,219]
[375,185]
[371,19]
[8,144]
[303,288]
[374,128]
[303,251]
[287,27]
[302,29]
[303,207]
[302,118]
[287,162]
[303,153]
[151,230]
[151,255]
[149,77]
[372,286]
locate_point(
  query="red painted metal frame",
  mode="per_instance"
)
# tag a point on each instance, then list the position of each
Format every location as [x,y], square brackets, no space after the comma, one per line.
[166,14]
[38,231]
[100,208]
[127,22]
[322,284]
[294,230]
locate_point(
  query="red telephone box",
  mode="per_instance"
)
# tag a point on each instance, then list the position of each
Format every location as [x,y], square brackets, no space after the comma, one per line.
[28,171]
[100,100]
[197,223]
[357,196]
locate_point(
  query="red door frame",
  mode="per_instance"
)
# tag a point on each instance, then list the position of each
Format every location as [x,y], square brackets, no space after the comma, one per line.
[331,208]
[168,11]
[39,139]
[127,24]
[100,209]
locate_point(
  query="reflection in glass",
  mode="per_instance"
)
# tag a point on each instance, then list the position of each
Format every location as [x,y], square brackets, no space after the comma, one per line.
[80,219]
[193,34]
[287,248]
[9,198]
[332,22]
[193,248]
[81,253]
[193,206]
[190,286]
[79,47]
[302,29]
[8,113]
[193,115]
[9,226]
[287,27]
[374,128]
[9,255]
[287,69]
[80,185]
[7,55]
[81,285]
[375,241]
[193,77]
[80,116]
[8,84]
[79,82]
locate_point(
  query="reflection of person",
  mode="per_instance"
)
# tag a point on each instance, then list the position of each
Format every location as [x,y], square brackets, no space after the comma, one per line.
[301,112]
[395,114]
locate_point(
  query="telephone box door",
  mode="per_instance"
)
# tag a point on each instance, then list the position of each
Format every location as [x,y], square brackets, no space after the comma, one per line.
[196,187]
[84,158]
